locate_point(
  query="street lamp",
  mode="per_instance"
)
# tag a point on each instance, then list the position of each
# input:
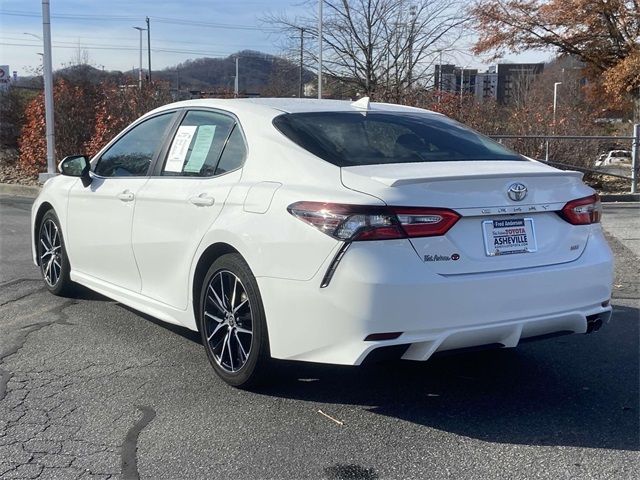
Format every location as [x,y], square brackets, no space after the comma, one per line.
[555,102]
[32,35]
[553,127]
[140,29]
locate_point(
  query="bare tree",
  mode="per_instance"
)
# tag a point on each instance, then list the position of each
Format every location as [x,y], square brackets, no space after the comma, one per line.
[382,48]
[80,56]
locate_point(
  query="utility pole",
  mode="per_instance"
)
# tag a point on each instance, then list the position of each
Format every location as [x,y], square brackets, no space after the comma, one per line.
[236,83]
[461,85]
[301,89]
[413,12]
[635,158]
[47,74]
[140,29]
[440,79]
[149,46]
[320,49]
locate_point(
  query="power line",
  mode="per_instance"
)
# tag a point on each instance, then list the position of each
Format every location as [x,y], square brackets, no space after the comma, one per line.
[11,37]
[128,18]
[162,50]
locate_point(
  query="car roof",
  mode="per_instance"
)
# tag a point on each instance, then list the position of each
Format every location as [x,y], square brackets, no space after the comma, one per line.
[275,106]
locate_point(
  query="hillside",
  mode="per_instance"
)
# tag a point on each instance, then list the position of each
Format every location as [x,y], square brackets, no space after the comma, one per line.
[259,73]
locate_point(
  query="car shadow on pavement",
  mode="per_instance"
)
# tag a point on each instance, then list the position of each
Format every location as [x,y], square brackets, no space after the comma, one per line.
[577,390]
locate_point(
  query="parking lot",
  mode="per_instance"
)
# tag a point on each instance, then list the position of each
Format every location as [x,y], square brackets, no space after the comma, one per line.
[92,389]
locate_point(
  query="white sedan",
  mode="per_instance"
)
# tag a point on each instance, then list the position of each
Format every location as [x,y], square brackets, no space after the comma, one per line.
[325,231]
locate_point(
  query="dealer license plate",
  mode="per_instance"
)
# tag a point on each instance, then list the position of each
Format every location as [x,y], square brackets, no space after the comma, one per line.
[509,236]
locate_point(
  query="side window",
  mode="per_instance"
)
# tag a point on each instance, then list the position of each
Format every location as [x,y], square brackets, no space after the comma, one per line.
[197,144]
[234,153]
[132,154]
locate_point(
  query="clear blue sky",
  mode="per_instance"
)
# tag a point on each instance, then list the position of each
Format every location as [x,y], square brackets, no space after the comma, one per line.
[104,29]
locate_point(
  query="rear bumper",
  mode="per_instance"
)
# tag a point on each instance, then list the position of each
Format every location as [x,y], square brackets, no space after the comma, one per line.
[380,287]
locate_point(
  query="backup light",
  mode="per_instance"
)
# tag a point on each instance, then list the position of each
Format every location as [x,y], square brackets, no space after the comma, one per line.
[363,222]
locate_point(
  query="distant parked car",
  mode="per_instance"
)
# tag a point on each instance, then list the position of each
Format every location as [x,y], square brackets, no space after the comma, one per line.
[614,157]
[325,231]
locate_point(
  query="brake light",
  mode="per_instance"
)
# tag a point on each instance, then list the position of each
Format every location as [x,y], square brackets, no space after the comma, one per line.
[362,222]
[582,211]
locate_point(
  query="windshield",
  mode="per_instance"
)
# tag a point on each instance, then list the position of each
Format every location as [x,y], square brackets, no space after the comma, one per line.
[369,138]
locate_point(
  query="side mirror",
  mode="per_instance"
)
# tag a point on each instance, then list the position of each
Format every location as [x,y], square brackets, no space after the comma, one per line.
[76,166]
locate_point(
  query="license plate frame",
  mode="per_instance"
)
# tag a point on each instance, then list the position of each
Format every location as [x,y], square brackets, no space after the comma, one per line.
[518,233]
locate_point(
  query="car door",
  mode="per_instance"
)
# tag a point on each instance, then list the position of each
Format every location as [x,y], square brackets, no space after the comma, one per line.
[100,215]
[178,204]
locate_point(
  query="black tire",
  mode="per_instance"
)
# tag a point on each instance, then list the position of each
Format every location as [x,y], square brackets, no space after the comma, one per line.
[52,256]
[230,281]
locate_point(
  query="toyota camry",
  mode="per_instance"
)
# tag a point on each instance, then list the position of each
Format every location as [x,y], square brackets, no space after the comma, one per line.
[325,231]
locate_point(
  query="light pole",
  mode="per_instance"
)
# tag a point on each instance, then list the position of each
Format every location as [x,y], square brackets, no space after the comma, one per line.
[320,48]
[149,46]
[47,75]
[555,103]
[553,126]
[236,83]
[140,29]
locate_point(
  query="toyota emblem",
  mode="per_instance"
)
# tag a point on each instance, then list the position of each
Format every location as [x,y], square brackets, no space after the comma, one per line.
[517,191]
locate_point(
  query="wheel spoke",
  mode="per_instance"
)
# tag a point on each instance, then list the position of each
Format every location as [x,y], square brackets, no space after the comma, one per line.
[216,330]
[217,302]
[48,269]
[47,232]
[233,295]
[47,248]
[242,304]
[222,295]
[55,273]
[244,330]
[244,354]
[230,351]
[213,317]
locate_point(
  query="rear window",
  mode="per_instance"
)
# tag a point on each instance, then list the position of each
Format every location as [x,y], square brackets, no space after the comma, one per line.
[353,138]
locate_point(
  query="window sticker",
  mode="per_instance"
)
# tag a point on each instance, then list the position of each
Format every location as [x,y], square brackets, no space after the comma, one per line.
[179,148]
[201,147]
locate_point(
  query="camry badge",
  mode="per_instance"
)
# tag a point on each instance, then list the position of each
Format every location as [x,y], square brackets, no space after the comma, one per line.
[517,191]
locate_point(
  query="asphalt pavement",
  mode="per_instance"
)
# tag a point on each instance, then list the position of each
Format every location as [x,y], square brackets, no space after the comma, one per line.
[92,389]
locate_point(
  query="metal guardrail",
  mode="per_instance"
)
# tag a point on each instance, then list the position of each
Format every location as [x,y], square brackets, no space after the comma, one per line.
[635,151]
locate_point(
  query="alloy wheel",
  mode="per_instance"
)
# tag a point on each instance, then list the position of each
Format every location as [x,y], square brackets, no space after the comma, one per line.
[50,252]
[228,321]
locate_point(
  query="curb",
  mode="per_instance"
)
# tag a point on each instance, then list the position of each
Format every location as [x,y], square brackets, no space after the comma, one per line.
[19,190]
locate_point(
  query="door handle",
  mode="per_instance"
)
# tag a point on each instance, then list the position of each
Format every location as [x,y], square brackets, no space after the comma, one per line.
[126,196]
[202,200]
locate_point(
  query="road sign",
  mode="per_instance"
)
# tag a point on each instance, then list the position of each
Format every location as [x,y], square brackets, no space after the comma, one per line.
[5,77]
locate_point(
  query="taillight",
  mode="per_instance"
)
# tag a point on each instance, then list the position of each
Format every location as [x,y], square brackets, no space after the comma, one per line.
[583,211]
[362,222]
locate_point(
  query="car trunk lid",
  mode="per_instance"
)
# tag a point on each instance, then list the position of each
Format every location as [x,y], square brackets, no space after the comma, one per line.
[495,232]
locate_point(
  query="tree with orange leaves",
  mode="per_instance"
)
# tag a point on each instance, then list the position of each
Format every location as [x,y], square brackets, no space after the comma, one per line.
[603,34]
